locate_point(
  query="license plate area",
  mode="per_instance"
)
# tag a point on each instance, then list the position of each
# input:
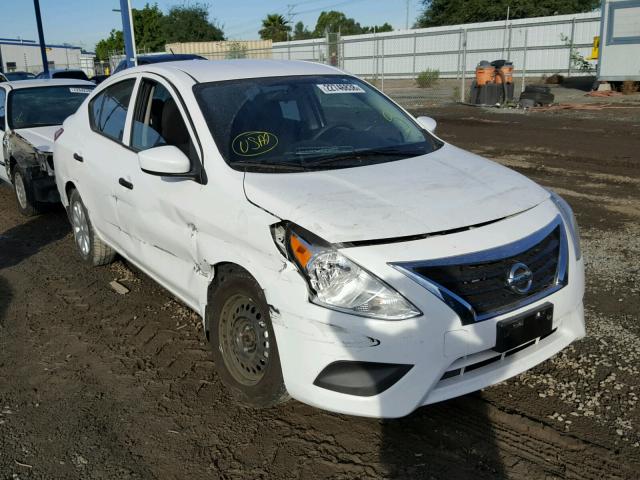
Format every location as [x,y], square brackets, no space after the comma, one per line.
[513,332]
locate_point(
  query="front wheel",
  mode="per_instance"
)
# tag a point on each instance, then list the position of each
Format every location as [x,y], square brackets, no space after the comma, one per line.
[242,339]
[25,195]
[90,246]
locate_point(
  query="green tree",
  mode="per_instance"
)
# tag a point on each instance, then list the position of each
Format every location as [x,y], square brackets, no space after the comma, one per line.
[113,43]
[147,25]
[452,12]
[335,22]
[300,32]
[190,23]
[275,27]
[385,27]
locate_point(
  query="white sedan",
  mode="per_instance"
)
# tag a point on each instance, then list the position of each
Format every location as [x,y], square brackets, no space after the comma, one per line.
[337,250]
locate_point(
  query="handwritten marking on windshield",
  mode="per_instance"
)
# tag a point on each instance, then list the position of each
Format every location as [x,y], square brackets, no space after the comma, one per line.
[251,144]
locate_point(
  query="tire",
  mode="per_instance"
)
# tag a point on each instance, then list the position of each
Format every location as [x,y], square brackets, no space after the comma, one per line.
[25,196]
[241,336]
[88,243]
[537,89]
[538,98]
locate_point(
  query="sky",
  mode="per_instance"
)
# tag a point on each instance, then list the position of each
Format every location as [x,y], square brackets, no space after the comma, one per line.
[84,22]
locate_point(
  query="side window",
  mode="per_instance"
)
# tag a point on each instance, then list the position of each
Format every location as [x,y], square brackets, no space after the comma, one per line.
[3,98]
[157,121]
[108,110]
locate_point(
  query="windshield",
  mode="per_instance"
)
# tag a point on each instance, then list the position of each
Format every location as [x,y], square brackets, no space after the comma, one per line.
[44,106]
[307,123]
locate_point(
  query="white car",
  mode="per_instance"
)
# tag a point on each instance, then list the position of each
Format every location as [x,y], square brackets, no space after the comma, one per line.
[337,250]
[31,111]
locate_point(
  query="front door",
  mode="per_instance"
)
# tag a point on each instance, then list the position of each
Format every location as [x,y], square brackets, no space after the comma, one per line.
[157,211]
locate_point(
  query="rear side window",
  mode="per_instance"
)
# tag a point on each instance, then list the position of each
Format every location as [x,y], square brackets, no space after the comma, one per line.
[108,110]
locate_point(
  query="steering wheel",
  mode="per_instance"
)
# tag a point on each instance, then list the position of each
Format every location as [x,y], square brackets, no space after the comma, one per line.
[326,129]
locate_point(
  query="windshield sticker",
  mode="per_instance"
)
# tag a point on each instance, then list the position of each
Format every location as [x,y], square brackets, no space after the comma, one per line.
[251,144]
[85,91]
[331,88]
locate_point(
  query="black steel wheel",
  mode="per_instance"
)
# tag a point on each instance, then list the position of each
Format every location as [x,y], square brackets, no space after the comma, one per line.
[241,336]
[244,336]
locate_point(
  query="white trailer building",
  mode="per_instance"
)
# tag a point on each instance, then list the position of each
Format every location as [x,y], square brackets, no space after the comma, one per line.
[619,54]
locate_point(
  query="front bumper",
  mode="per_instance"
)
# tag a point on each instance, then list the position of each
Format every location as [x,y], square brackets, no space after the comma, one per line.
[310,337]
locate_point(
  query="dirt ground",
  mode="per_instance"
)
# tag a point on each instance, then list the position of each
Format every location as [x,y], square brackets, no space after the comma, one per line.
[573,91]
[97,385]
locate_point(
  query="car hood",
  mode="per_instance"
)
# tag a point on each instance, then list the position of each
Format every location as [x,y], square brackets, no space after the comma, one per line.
[444,190]
[40,137]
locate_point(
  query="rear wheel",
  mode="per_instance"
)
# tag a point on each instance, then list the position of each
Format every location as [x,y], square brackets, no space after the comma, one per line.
[24,193]
[90,246]
[242,339]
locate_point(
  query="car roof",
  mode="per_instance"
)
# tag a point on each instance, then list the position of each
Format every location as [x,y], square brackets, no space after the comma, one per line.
[220,70]
[47,82]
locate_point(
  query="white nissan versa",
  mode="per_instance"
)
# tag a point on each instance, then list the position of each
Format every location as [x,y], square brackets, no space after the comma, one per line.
[337,250]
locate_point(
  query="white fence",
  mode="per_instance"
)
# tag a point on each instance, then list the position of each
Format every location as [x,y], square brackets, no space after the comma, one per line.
[535,45]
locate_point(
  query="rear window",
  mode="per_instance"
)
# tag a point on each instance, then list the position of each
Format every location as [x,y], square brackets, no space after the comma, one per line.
[44,106]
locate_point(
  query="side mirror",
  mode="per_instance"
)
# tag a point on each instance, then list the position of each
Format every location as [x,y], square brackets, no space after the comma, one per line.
[428,123]
[166,160]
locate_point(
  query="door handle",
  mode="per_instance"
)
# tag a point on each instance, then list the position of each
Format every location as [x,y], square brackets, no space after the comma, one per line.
[78,157]
[125,183]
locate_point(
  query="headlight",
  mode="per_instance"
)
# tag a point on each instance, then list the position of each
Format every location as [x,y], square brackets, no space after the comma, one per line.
[569,220]
[338,283]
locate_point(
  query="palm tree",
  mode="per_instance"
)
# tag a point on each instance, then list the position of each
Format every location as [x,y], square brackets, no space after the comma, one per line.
[275,28]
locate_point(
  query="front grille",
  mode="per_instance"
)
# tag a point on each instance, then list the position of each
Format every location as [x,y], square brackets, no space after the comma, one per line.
[475,286]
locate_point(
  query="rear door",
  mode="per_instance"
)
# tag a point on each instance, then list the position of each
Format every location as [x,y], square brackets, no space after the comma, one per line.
[3,129]
[102,157]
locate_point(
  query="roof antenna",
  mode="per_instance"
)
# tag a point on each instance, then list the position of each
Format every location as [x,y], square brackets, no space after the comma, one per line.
[171,50]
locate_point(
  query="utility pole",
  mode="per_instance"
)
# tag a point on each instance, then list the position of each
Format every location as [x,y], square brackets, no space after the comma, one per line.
[406,23]
[43,47]
[290,14]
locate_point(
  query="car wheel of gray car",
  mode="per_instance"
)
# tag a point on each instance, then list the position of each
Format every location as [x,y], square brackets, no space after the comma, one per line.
[90,246]
[24,193]
[242,339]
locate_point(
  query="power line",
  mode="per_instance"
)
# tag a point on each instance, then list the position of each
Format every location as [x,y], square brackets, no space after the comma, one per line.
[311,10]
[234,26]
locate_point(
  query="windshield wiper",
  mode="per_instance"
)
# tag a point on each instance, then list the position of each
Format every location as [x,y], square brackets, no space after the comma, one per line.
[362,154]
[271,165]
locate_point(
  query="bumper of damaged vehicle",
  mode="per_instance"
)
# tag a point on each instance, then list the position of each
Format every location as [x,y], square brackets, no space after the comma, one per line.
[362,366]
